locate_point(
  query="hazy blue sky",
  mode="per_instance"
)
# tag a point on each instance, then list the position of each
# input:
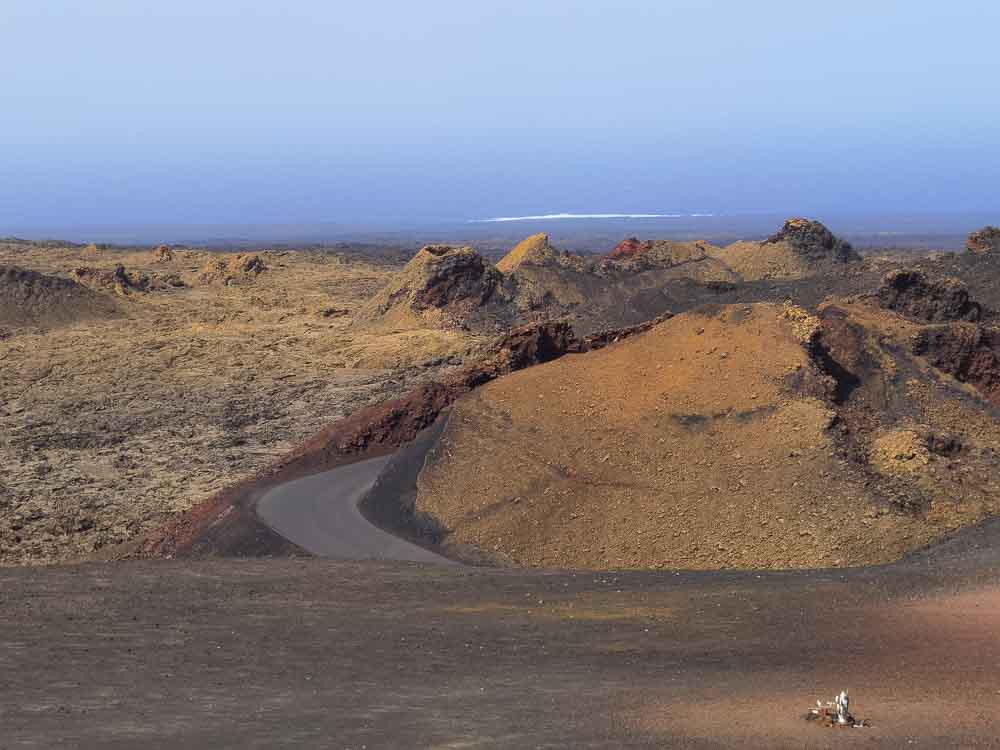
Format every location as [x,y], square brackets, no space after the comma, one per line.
[220,111]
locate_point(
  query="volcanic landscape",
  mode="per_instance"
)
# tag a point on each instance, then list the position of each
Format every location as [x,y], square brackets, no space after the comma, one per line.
[663,496]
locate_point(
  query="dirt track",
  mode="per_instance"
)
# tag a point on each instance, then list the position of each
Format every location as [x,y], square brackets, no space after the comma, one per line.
[314,653]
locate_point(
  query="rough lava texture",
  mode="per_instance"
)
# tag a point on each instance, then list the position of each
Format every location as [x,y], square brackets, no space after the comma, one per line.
[232,270]
[119,281]
[912,293]
[441,286]
[31,298]
[813,240]
[986,240]
[970,353]
[629,248]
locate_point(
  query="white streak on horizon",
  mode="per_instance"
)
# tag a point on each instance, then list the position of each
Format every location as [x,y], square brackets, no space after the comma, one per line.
[546,217]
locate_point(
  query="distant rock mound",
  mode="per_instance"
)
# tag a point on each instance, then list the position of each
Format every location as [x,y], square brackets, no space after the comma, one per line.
[801,248]
[535,250]
[442,285]
[629,248]
[986,240]
[813,240]
[913,294]
[31,298]
[163,254]
[122,282]
[119,280]
[232,270]
[695,260]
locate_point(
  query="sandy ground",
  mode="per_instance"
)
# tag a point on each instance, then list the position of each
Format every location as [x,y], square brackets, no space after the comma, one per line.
[312,653]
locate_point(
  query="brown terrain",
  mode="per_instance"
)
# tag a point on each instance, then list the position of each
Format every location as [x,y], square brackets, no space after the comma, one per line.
[836,413]
[223,653]
[669,406]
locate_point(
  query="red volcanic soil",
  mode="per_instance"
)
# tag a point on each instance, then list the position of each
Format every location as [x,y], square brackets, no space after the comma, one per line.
[629,248]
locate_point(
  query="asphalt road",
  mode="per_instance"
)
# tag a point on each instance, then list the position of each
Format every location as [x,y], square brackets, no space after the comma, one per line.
[320,514]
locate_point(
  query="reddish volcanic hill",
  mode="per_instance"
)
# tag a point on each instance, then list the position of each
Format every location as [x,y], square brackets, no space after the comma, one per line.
[628,249]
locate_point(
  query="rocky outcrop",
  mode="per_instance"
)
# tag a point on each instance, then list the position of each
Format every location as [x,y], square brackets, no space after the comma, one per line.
[29,297]
[802,248]
[119,281]
[124,283]
[602,339]
[986,240]
[969,352]
[813,240]
[232,270]
[912,293]
[441,285]
[163,254]
[629,248]
[534,344]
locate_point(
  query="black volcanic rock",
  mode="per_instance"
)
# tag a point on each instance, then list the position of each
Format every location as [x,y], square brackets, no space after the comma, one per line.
[813,240]
[441,284]
[914,294]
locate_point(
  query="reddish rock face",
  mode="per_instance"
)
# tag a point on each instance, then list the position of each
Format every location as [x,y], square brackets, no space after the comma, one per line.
[629,248]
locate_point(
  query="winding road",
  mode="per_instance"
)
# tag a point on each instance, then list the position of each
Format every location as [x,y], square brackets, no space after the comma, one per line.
[320,513]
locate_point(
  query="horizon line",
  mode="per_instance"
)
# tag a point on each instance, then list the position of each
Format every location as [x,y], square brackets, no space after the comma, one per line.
[546,217]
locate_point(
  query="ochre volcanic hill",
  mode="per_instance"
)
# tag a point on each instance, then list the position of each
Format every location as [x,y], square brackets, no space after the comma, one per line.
[32,298]
[534,250]
[801,248]
[747,436]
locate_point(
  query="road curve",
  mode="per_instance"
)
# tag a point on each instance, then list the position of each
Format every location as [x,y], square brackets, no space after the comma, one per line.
[320,514]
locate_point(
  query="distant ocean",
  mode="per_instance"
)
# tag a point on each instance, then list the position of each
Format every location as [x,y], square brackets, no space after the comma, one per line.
[579,231]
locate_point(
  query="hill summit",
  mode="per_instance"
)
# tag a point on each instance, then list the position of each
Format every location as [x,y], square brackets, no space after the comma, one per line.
[801,248]
[441,284]
[535,250]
